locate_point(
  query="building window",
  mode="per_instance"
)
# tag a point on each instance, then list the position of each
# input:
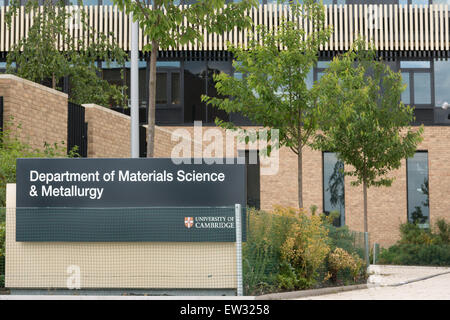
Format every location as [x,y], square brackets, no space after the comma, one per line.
[413,2]
[417,75]
[310,79]
[333,187]
[169,92]
[321,67]
[85,2]
[168,84]
[112,72]
[418,192]
[195,87]
[198,80]
[143,82]
[325,2]
[441,82]
[328,2]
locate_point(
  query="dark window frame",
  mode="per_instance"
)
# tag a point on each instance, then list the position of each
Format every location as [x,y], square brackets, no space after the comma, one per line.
[123,68]
[407,193]
[411,88]
[234,117]
[169,71]
[434,77]
[342,216]
[318,70]
[208,108]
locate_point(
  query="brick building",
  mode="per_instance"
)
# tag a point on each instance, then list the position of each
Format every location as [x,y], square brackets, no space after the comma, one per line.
[37,115]
[411,36]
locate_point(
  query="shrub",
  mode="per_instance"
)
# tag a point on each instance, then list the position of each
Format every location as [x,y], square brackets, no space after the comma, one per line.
[442,235]
[283,250]
[288,249]
[261,252]
[304,249]
[340,261]
[419,246]
[411,233]
[416,254]
[343,237]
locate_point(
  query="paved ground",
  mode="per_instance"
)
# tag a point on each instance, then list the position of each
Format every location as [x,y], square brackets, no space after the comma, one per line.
[435,288]
[389,275]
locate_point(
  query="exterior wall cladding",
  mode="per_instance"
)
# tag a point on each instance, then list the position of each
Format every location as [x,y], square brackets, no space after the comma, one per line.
[399,32]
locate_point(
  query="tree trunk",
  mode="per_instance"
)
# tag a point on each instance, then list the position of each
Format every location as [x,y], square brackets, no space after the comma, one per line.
[53,81]
[366,229]
[300,178]
[152,101]
[300,160]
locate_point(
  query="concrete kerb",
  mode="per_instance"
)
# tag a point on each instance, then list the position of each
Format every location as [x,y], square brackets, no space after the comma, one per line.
[414,280]
[313,292]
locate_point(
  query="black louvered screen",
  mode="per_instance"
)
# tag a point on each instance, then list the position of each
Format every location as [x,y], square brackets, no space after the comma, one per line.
[142,142]
[1,113]
[77,129]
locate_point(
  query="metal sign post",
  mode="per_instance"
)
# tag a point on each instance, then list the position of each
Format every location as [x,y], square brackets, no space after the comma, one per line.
[238,213]
[134,89]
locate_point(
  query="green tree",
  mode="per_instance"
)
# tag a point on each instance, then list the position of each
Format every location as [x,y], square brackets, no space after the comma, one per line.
[363,119]
[273,91]
[163,23]
[49,52]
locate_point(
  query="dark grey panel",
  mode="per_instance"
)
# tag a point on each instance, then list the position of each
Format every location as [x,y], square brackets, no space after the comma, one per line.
[169,116]
[424,116]
[441,116]
[123,224]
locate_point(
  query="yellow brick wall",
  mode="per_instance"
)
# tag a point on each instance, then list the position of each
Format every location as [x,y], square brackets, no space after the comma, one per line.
[37,115]
[108,132]
[41,112]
